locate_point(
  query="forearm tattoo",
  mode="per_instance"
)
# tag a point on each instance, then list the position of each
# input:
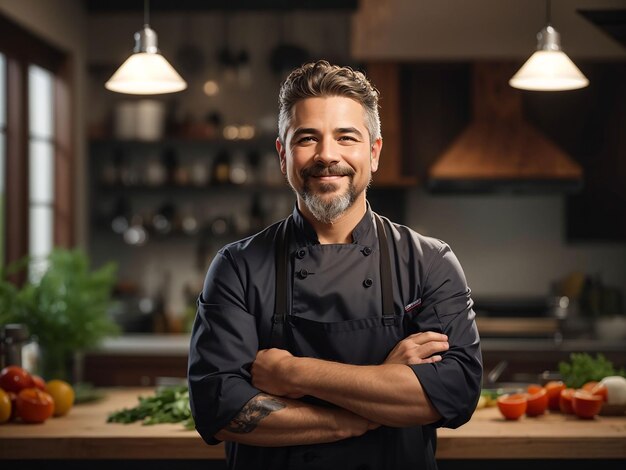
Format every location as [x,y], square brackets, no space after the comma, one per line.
[253,412]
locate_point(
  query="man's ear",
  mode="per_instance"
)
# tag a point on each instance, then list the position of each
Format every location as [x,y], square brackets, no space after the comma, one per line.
[281,155]
[377,147]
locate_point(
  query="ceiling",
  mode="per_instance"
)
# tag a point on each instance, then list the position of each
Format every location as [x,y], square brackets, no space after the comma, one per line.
[122,6]
[612,22]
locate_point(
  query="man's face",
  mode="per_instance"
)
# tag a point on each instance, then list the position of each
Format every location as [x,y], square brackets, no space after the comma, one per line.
[327,156]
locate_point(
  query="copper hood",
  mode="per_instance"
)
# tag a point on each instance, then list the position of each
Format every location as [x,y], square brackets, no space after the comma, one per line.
[499,151]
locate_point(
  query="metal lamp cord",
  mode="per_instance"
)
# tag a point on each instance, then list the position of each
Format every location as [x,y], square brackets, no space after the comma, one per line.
[146,12]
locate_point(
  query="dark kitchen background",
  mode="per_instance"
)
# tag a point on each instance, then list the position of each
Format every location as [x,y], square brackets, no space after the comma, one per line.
[528,188]
[159,183]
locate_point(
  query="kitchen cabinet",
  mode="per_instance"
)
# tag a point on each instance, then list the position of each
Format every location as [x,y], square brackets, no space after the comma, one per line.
[393,170]
[590,124]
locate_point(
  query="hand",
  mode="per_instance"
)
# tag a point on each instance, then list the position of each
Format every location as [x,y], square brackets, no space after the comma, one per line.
[420,348]
[270,373]
[352,425]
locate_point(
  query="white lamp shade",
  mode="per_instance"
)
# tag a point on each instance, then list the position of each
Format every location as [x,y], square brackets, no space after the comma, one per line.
[146,73]
[549,71]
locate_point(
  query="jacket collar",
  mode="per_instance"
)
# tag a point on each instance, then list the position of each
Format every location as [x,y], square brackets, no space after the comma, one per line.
[363,234]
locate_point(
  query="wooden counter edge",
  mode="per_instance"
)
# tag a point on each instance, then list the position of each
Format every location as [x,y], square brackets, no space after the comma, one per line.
[92,448]
[448,447]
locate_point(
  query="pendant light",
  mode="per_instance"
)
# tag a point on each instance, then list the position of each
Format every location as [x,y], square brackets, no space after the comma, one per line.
[549,68]
[146,72]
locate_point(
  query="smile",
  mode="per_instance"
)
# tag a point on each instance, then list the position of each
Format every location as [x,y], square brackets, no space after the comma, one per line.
[329,177]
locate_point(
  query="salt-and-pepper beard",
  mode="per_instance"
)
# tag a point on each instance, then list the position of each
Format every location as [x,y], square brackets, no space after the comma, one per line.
[327,211]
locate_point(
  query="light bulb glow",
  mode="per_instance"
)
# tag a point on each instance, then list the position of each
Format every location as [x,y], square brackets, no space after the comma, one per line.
[549,71]
[146,73]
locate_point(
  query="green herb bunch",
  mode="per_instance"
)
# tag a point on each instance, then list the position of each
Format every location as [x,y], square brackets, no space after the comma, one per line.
[66,309]
[583,368]
[167,405]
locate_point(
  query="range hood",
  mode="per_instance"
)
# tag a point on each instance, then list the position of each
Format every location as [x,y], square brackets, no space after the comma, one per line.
[499,151]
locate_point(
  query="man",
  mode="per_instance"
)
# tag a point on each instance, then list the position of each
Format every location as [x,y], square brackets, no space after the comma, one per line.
[334,338]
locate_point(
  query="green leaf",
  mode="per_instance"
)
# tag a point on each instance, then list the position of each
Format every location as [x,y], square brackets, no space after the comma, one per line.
[583,368]
[167,405]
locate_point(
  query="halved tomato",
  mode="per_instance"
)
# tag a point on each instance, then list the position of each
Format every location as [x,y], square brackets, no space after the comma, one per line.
[565,401]
[512,406]
[600,390]
[554,393]
[586,405]
[589,386]
[537,402]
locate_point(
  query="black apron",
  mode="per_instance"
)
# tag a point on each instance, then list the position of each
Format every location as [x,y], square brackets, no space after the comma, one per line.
[353,341]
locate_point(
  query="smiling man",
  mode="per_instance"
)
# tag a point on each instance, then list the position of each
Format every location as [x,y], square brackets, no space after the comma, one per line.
[334,338]
[331,157]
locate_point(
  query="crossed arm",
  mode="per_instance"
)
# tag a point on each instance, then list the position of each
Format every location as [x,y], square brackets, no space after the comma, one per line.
[366,396]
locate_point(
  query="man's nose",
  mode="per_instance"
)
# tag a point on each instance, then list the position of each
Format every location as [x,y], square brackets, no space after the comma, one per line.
[327,152]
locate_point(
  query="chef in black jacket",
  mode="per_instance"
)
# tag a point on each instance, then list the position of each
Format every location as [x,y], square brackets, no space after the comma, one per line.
[334,338]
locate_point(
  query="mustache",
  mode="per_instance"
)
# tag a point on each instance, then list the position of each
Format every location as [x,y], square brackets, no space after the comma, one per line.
[322,170]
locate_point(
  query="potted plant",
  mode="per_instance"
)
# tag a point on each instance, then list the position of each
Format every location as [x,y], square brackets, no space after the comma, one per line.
[66,309]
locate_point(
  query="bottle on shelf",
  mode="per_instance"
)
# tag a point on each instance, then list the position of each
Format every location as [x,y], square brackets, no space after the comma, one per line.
[239,168]
[221,168]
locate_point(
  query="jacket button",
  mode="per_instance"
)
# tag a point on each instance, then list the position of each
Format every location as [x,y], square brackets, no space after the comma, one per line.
[367,251]
[303,273]
[368,282]
[301,253]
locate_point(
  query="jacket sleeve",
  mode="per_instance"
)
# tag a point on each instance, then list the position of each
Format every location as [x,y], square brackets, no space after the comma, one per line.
[223,346]
[453,384]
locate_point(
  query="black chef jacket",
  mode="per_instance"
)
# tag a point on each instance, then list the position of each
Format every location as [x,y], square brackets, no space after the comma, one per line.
[234,321]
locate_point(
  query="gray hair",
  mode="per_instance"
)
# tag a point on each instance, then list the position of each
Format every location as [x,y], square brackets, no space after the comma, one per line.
[321,79]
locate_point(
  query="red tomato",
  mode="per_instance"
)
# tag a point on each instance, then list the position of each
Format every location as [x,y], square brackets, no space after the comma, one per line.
[586,405]
[39,383]
[589,386]
[601,390]
[534,388]
[512,406]
[34,405]
[14,379]
[554,393]
[565,401]
[537,402]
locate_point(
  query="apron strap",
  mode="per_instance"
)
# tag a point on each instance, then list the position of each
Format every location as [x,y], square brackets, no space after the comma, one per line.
[277,339]
[389,317]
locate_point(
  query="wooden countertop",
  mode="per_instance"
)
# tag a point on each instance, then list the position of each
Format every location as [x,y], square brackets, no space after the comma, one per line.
[84,434]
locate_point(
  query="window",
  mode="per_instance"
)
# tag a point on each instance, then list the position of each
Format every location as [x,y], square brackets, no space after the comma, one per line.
[3,116]
[40,166]
[36,157]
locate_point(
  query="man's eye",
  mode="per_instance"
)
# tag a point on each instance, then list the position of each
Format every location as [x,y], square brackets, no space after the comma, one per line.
[306,139]
[347,138]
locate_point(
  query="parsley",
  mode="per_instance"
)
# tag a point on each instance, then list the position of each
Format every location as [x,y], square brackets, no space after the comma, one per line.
[583,368]
[167,405]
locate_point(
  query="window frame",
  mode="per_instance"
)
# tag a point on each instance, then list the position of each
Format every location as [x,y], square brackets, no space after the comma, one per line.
[22,48]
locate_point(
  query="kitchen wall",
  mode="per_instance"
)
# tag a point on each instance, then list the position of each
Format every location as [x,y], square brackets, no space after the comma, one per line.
[62,23]
[512,246]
